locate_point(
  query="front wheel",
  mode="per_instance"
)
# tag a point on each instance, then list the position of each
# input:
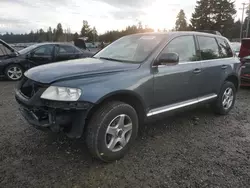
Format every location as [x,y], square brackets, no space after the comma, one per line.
[226,99]
[14,72]
[111,131]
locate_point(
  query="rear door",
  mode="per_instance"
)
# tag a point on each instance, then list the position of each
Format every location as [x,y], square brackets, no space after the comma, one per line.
[216,56]
[66,52]
[179,82]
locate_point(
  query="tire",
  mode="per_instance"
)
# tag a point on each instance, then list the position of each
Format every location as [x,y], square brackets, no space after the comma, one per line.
[14,72]
[219,107]
[99,141]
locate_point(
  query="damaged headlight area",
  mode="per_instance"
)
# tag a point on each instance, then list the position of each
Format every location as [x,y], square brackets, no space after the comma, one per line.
[61,93]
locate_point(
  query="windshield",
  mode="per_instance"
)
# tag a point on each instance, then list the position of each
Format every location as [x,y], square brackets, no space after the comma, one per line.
[133,49]
[236,46]
[28,49]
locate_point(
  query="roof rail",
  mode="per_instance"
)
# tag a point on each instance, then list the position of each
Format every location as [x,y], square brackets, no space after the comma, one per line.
[211,31]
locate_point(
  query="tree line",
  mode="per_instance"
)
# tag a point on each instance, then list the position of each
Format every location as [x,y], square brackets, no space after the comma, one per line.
[215,15]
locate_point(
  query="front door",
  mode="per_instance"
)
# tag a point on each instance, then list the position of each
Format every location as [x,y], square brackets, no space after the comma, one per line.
[180,82]
[42,55]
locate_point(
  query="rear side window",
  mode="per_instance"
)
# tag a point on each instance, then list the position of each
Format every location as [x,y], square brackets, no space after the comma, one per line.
[184,46]
[224,48]
[209,48]
[64,49]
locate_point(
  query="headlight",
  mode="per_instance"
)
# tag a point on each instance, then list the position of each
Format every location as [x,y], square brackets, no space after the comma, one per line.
[61,93]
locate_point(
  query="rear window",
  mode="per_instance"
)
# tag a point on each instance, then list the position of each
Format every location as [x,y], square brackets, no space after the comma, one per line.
[209,48]
[224,48]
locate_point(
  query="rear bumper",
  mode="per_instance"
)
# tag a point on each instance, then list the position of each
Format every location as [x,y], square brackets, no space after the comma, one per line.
[54,116]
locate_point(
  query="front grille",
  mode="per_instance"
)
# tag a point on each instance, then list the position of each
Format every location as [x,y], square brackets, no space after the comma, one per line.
[29,87]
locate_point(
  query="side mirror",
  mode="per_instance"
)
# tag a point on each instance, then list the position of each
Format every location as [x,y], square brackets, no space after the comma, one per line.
[28,55]
[168,58]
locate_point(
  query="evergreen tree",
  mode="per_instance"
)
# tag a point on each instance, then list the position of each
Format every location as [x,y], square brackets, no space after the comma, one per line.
[75,36]
[181,22]
[49,34]
[85,29]
[235,30]
[59,32]
[214,15]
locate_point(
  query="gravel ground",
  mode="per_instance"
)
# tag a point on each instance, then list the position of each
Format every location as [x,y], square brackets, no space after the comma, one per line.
[191,149]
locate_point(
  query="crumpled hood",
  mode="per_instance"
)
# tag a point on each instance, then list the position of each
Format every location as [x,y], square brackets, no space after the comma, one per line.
[76,68]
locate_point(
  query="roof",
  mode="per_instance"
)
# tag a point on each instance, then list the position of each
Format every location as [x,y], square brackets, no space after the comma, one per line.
[178,33]
[62,43]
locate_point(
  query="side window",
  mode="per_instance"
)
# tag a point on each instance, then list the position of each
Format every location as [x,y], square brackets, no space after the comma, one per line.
[63,49]
[225,49]
[184,46]
[45,50]
[208,47]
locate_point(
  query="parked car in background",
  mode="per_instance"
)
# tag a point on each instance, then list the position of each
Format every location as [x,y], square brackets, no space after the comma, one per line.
[106,97]
[244,55]
[236,47]
[89,47]
[14,63]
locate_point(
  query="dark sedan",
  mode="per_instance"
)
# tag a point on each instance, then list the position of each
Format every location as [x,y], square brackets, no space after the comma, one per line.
[13,63]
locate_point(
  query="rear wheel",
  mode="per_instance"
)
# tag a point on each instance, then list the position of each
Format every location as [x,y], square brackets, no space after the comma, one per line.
[14,72]
[226,99]
[111,131]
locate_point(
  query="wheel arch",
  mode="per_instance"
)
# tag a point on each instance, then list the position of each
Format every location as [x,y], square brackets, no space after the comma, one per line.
[10,64]
[128,97]
[234,79]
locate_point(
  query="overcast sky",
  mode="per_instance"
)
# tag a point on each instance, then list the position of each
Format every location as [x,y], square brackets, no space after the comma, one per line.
[19,16]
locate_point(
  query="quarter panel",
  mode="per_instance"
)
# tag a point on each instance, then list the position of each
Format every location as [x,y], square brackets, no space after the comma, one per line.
[214,75]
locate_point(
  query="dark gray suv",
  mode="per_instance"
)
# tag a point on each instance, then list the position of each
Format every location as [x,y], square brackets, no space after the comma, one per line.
[106,97]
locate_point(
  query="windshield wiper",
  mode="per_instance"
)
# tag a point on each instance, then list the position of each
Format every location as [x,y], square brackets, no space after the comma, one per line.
[118,60]
[111,59]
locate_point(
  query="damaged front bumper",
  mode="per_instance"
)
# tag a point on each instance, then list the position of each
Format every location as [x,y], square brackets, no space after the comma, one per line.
[55,116]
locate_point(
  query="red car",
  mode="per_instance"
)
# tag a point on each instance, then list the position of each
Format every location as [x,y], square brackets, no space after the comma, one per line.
[244,55]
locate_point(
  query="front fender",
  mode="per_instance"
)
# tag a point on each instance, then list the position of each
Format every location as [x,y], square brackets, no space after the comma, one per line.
[97,88]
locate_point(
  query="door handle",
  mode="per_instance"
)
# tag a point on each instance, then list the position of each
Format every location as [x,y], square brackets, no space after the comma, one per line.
[197,71]
[224,66]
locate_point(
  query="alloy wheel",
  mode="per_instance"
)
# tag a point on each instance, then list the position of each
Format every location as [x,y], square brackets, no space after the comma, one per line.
[15,73]
[118,133]
[227,99]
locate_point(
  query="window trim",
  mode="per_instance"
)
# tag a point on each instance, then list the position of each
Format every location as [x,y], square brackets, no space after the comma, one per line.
[167,43]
